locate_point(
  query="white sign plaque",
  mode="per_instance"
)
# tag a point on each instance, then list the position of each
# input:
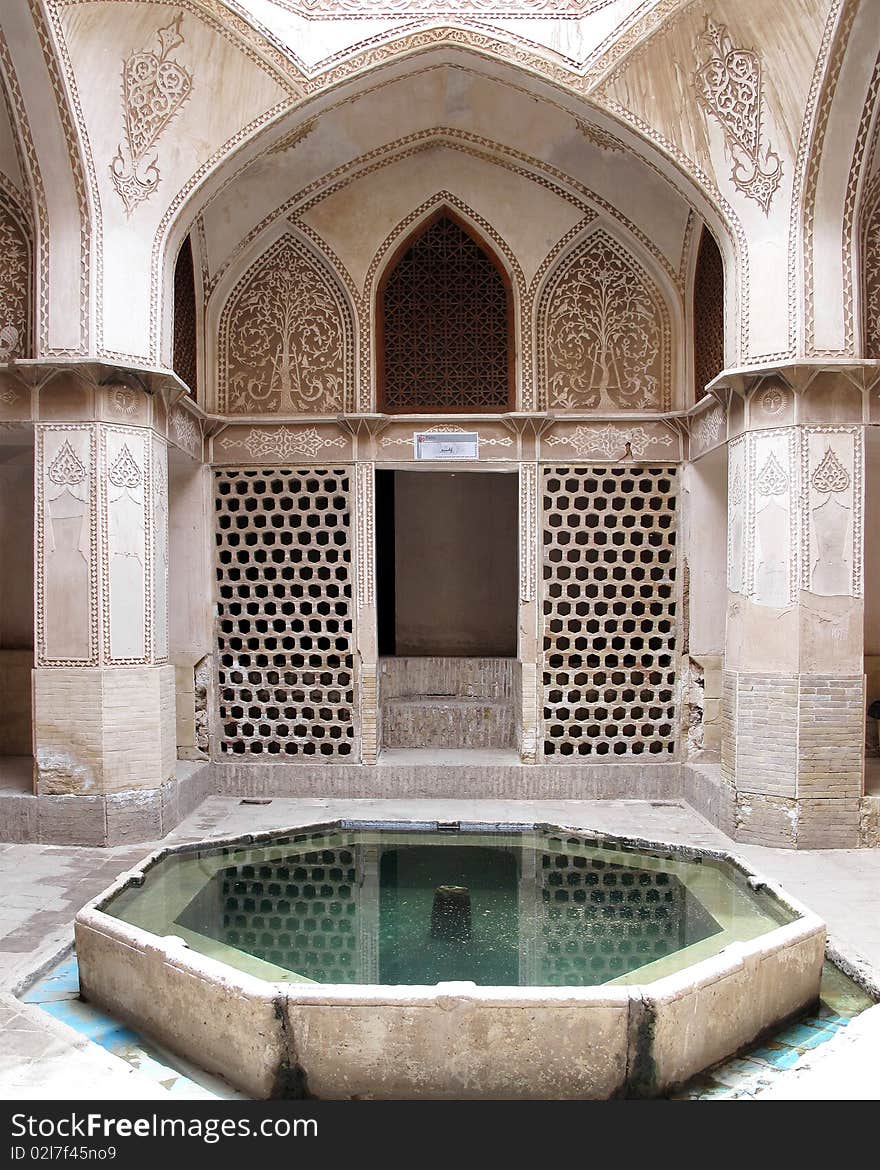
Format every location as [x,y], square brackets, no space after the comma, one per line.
[443,445]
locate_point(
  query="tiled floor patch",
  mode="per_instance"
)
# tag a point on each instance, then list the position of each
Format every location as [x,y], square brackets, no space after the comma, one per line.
[750,1072]
[58,994]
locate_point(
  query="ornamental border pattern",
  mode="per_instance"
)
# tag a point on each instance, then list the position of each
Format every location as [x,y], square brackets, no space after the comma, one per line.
[528,531]
[806,167]
[365,553]
[811,192]
[426,9]
[850,225]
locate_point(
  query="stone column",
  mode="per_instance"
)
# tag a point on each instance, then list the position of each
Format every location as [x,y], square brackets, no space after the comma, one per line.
[104,726]
[793,684]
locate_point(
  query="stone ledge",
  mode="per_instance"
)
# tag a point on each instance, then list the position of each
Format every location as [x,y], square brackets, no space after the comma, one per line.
[120,818]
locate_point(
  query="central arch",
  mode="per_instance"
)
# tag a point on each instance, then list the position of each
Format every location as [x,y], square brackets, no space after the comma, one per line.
[445,338]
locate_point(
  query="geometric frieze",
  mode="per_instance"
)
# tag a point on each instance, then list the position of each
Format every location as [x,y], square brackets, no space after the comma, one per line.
[609,611]
[615,441]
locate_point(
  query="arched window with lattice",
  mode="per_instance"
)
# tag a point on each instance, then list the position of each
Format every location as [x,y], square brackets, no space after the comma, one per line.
[444,318]
[185,317]
[708,314]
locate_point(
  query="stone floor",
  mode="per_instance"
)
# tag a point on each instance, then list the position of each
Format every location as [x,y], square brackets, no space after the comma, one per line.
[43,887]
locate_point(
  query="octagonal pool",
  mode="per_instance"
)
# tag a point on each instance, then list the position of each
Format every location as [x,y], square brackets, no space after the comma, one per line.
[367,960]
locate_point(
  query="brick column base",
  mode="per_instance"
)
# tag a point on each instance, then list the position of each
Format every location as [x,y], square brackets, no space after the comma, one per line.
[791,756]
[101,730]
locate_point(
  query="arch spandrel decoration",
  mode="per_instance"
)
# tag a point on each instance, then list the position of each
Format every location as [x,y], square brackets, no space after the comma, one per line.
[445,323]
[286,337]
[604,336]
[15,263]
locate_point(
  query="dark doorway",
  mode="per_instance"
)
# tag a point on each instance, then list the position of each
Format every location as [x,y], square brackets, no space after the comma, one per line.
[446,563]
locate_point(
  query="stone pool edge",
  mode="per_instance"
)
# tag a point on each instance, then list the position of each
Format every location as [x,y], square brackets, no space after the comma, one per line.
[452,1040]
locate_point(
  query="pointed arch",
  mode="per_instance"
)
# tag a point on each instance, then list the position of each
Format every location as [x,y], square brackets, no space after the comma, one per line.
[445,321]
[708,313]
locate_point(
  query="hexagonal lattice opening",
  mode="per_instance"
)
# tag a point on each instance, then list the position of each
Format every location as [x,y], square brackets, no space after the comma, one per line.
[609,611]
[284,631]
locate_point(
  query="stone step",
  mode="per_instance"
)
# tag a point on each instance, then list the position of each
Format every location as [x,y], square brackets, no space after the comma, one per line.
[447,721]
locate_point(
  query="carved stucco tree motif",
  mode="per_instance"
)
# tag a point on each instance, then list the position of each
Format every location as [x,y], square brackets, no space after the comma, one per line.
[14,261]
[603,333]
[286,338]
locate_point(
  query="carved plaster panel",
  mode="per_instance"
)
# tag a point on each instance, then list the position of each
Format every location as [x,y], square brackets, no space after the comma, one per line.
[771,529]
[286,337]
[729,87]
[155,87]
[708,430]
[66,545]
[611,441]
[832,462]
[604,333]
[262,444]
[737,491]
[396,442]
[126,546]
[185,431]
[14,284]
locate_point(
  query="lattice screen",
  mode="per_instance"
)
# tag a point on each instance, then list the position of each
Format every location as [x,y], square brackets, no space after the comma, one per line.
[285,613]
[445,325]
[708,314]
[598,921]
[609,611]
[185,317]
[299,912]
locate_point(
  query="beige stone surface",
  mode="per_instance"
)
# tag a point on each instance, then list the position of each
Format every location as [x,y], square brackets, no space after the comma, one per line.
[103,729]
